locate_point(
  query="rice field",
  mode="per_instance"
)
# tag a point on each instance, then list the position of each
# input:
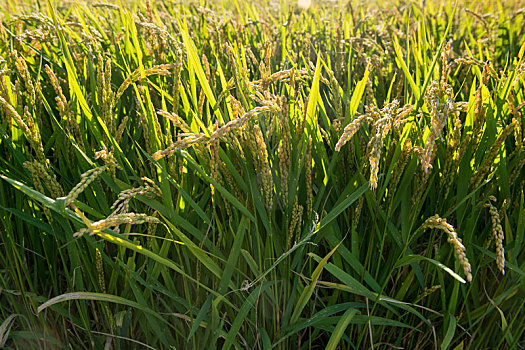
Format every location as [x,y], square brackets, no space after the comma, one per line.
[266,174]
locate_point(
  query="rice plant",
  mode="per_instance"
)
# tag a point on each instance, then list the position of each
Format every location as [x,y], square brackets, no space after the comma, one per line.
[265,174]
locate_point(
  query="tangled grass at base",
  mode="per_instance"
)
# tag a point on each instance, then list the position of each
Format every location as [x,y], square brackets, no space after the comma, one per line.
[255,175]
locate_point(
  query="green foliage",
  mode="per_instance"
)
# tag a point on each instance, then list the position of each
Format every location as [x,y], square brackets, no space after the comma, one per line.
[259,175]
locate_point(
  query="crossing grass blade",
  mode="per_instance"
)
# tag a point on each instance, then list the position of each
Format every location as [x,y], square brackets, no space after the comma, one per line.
[98,297]
[340,328]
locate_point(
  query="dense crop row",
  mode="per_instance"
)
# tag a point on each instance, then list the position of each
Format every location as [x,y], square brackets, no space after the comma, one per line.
[258,175]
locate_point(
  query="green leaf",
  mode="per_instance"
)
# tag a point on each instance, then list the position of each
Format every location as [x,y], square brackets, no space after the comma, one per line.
[340,329]
[357,95]
[408,259]
[100,297]
[195,62]
[309,289]
[334,213]
[248,305]
[451,330]
[401,64]
[313,99]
